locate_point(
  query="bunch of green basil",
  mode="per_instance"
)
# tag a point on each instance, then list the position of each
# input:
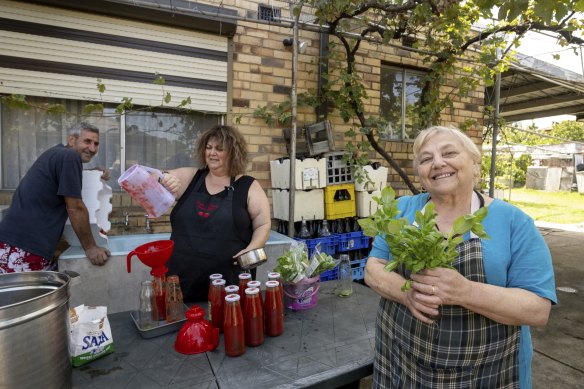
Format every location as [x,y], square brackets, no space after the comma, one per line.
[421,245]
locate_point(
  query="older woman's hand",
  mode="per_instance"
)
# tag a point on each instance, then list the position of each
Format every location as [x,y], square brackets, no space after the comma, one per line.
[448,285]
[423,306]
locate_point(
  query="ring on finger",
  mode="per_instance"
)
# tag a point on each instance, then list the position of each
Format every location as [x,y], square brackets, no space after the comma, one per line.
[433,290]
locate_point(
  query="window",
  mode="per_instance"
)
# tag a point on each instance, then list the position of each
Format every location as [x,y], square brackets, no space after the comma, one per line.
[269,13]
[400,93]
[164,140]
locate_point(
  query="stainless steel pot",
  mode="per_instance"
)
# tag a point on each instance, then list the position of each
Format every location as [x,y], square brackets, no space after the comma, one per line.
[252,258]
[34,330]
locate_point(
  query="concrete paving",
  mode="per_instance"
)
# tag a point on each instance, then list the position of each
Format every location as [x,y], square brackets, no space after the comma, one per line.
[559,347]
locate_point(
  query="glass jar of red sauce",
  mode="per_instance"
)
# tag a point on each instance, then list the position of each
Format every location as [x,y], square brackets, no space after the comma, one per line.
[273,310]
[244,278]
[253,318]
[275,276]
[216,301]
[214,276]
[256,284]
[234,335]
[159,286]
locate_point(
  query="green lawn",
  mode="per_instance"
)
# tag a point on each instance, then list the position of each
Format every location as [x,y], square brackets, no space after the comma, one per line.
[555,207]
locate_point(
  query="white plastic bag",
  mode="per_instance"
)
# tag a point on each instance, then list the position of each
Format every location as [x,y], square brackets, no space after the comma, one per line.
[90,334]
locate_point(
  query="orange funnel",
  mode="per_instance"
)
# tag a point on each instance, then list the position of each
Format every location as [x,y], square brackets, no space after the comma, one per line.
[152,254]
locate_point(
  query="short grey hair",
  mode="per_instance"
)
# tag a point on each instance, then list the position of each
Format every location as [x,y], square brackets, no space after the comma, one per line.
[467,143]
[83,126]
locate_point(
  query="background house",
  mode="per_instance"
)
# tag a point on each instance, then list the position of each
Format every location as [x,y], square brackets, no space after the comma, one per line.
[227,57]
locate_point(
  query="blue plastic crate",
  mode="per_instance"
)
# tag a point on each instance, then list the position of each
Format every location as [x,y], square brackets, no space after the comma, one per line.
[327,244]
[351,241]
[330,275]
[358,268]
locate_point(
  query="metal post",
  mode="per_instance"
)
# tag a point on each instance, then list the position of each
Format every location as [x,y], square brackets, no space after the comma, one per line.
[293,105]
[495,129]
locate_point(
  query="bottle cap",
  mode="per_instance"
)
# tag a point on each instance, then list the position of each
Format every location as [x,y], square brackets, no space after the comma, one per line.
[272,284]
[230,298]
[219,282]
[252,291]
[215,276]
[245,276]
[232,289]
[254,284]
[273,274]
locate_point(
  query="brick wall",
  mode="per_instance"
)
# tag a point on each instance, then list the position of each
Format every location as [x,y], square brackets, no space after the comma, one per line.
[262,75]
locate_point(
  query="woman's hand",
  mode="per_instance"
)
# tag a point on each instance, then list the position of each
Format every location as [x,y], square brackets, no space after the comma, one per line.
[422,306]
[388,285]
[446,284]
[511,306]
[171,182]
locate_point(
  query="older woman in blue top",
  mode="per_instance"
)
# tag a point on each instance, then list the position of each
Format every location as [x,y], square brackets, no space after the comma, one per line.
[469,327]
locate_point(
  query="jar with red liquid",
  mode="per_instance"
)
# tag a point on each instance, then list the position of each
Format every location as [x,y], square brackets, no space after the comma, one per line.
[214,276]
[159,286]
[175,308]
[244,278]
[234,335]
[273,310]
[216,301]
[256,284]
[275,276]
[253,318]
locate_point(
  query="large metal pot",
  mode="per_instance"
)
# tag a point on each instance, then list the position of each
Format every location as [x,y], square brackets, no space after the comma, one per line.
[34,330]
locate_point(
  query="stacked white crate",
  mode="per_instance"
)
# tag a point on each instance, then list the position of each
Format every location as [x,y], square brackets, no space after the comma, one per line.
[310,178]
[373,180]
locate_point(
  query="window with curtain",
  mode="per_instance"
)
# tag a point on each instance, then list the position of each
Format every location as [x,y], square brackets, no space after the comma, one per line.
[400,93]
[163,140]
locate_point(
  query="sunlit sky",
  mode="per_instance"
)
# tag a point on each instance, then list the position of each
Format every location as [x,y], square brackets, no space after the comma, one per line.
[543,47]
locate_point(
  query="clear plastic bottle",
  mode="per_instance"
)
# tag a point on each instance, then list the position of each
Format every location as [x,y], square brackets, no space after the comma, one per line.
[148,313]
[345,285]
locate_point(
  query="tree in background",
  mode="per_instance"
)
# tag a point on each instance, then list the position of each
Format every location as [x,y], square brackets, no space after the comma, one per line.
[443,31]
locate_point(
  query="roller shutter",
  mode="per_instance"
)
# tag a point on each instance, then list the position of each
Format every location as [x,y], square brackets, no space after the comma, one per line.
[54,52]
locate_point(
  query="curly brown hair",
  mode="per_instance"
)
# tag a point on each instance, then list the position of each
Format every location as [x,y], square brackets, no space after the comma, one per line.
[233,143]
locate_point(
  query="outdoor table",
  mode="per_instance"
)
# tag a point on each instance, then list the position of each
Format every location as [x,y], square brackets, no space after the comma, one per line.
[328,345]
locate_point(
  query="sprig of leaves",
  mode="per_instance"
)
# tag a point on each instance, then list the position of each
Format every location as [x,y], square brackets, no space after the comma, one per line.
[421,245]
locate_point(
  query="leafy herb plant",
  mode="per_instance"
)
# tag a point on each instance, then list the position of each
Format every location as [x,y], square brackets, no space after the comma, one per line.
[421,245]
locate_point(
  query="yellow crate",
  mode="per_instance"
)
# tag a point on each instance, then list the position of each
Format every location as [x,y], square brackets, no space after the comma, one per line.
[339,201]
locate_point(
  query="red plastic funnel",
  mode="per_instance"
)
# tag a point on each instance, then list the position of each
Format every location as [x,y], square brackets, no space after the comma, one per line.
[153,254]
[197,335]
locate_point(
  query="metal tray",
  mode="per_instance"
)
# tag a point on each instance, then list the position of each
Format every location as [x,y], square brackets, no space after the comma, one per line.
[163,328]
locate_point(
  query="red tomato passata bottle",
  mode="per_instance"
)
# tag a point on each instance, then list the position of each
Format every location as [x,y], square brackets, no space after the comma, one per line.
[275,276]
[256,284]
[215,276]
[244,278]
[234,335]
[253,318]
[216,302]
[159,286]
[273,310]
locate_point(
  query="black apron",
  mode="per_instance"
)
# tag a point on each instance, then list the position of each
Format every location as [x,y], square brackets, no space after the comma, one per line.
[461,349]
[205,237]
